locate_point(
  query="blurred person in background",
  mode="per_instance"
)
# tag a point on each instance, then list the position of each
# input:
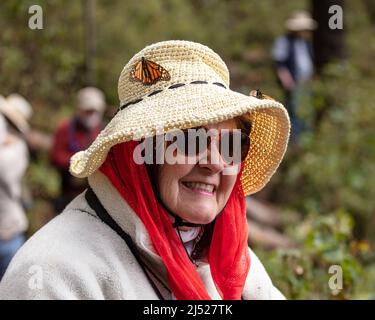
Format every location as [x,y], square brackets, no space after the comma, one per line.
[20,111]
[74,135]
[36,140]
[293,57]
[14,112]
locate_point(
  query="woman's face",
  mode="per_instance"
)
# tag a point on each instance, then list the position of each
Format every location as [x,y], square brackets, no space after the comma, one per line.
[197,192]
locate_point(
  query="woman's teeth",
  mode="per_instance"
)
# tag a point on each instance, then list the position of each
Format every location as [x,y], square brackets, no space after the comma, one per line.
[200,186]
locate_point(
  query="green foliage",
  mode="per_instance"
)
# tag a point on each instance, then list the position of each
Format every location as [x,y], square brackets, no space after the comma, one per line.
[324,241]
[333,166]
[330,178]
[43,178]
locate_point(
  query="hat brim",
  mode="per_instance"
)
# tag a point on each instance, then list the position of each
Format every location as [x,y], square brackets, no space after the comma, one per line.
[194,105]
[16,118]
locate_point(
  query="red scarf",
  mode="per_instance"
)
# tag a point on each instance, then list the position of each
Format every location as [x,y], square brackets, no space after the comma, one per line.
[228,253]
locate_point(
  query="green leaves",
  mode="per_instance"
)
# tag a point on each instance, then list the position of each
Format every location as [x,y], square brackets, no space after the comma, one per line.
[325,241]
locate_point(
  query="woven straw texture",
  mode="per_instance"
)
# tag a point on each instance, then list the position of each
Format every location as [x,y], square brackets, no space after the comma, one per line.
[197,94]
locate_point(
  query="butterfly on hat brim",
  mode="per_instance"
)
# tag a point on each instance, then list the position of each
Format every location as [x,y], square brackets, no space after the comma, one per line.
[148,72]
[259,95]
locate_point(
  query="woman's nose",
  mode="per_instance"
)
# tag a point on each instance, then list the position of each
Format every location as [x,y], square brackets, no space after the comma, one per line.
[211,159]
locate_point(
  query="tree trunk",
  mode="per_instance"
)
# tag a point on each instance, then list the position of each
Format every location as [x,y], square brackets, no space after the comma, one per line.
[90,40]
[370,7]
[329,44]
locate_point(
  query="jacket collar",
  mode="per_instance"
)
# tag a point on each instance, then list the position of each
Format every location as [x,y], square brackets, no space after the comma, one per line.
[129,221]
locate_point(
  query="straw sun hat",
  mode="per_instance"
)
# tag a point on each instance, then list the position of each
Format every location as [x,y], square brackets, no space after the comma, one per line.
[190,89]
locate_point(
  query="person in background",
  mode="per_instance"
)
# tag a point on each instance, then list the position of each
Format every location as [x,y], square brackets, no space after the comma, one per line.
[14,113]
[73,135]
[36,139]
[293,57]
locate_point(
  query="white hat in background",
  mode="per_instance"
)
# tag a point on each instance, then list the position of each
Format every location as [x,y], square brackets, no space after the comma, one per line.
[91,98]
[300,20]
[17,110]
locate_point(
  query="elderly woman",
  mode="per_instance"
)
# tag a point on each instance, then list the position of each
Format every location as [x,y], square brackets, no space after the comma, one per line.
[166,221]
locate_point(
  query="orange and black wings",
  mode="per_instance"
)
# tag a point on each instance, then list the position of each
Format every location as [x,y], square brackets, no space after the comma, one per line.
[259,95]
[148,72]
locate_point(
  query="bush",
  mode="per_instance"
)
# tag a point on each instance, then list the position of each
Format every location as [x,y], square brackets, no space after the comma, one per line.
[324,241]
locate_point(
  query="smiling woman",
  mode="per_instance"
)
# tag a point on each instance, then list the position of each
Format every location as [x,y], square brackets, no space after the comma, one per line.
[169,230]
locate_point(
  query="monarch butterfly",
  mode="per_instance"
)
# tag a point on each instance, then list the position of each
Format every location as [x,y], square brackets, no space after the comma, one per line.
[259,95]
[148,72]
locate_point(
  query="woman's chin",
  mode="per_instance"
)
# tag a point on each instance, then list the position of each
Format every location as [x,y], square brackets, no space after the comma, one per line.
[203,216]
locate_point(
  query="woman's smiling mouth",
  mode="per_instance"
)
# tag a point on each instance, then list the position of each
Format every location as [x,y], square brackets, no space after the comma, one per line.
[200,187]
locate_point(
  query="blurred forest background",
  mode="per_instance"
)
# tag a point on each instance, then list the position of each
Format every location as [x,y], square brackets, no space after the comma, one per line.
[324,191]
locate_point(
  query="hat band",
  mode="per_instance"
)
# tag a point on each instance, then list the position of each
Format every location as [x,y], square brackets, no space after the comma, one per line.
[174,86]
